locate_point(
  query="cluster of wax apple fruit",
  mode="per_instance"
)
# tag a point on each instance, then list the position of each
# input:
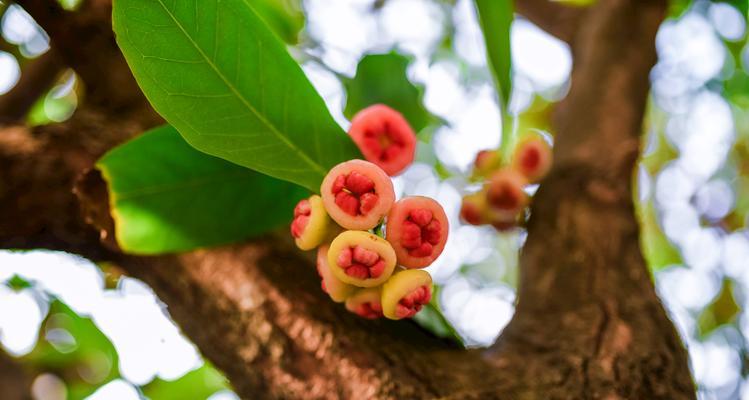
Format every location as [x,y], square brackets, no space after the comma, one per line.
[374,275]
[502,200]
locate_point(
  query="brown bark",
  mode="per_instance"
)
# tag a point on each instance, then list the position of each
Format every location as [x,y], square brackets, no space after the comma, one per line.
[14,383]
[588,323]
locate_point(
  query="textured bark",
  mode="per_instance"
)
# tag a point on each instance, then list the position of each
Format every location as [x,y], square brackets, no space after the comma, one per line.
[14,383]
[588,323]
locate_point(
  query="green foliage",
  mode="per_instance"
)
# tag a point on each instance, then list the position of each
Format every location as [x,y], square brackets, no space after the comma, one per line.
[166,196]
[722,310]
[198,384]
[17,283]
[224,80]
[284,17]
[382,78]
[74,349]
[656,248]
[495,18]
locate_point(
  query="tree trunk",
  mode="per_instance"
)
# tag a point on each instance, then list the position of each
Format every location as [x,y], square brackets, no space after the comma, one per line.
[587,325]
[14,383]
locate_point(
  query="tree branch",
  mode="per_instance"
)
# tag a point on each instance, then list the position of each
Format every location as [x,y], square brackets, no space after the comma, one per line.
[587,308]
[14,382]
[555,18]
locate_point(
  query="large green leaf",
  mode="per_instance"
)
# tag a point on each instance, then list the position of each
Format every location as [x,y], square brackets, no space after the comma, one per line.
[495,17]
[382,78]
[166,196]
[215,71]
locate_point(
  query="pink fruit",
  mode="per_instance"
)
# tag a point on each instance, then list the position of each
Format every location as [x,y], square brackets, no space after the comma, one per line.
[366,303]
[473,208]
[532,158]
[405,293]
[357,194]
[334,287]
[505,196]
[486,162]
[311,224]
[361,259]
[384,138]
[417,228]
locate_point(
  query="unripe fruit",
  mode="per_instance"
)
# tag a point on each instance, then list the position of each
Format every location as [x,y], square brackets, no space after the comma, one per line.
[473,208]
[505,196]
[486,162]
[366,303]
[361,258]
[311,224]
[405,293]
[417,228]
[338,290]
[532,158]
[384,138]
[357,194]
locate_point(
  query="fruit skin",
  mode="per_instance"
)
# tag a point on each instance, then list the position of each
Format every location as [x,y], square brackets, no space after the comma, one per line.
[486,162]
[311,225]
[337,193]
[505,196]
[473,209]
[337,290]
[384,138]
[404,232]
[401,286]
[370,242]
[532,158]
[366,303]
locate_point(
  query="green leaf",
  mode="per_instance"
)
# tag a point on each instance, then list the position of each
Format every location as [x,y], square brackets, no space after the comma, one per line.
[382,78]
[216,72]
[723,310]
[285,17]
[198,384]
[166,196]
[495,17]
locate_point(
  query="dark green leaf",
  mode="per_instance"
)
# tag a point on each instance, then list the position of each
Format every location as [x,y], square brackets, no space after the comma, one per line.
[216,72]
[495,17]
[382,78]
[166,196]
[198,384]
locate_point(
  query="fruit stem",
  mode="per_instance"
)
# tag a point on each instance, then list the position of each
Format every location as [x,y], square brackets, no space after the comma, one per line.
[509,139]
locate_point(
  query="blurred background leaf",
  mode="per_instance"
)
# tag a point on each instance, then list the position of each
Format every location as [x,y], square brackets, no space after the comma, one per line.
[383,79]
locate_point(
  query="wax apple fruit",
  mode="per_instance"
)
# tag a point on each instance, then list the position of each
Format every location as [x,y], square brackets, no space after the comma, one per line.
[361,258]
[417,228]
[384,138]
[357,194]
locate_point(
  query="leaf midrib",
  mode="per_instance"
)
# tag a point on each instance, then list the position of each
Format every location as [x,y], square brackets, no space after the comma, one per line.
[317,167]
